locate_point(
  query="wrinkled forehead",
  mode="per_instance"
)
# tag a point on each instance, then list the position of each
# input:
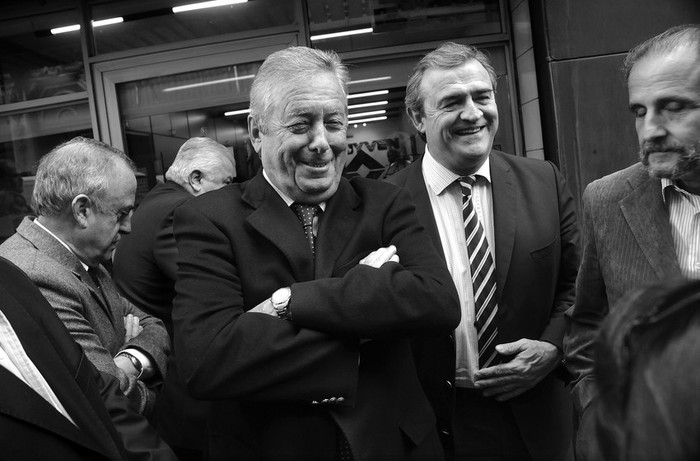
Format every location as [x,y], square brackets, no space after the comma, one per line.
[319,93]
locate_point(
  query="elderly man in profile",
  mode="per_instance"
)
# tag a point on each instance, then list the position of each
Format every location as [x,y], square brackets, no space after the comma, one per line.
[144,271]
[297,291]
[641,224]
[83,198]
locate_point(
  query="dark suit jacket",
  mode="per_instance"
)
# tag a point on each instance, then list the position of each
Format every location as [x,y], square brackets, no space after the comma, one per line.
[32,429]
[145,263]
[145,260]
[536,263]
[282,386]
[627,244]
[94,317]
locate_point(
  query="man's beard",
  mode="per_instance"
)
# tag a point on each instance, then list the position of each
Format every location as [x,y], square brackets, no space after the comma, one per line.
[688,159]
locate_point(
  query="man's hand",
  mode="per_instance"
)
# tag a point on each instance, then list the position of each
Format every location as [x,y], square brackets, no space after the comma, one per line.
[380,256]
[532,362]
[131,323]
[265,307]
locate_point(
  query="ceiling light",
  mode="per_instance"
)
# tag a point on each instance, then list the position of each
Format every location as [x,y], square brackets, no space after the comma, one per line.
[371,119]
[74,27]
[201,5]
[369,93]
[367,80]
[211,82]
[236,112]
[344,33]
[64,29]
[366,114]
[368,104]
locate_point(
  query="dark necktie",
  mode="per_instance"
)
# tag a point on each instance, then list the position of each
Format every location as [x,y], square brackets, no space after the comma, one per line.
[483,272]
[306,214]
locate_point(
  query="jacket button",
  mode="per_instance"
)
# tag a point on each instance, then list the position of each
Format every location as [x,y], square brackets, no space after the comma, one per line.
[445,432]
[341,399]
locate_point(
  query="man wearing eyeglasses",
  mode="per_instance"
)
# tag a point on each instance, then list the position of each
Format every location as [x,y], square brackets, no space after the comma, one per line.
[83,198]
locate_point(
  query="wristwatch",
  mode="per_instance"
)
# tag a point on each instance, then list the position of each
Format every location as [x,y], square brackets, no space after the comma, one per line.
[134,361]
[280,302]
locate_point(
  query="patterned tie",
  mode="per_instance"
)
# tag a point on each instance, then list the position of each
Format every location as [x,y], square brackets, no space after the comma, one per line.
[306,214]
[483,276]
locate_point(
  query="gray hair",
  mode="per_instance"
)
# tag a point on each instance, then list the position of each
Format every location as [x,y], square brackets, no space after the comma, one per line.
[201,153]
[676,37]
[293,64]
[447,56]
[79,166]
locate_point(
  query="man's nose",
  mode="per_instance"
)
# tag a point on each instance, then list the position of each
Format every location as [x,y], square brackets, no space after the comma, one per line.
[319,139]
[470,111]
[652,126]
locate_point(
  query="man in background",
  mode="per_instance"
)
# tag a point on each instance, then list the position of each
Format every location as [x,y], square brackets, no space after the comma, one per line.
[144,271]
[83,198]
[506,228]
[641,224]
[297,291]
[54,404]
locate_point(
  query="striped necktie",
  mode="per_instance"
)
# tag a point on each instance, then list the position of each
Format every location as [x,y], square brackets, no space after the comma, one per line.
[483,272]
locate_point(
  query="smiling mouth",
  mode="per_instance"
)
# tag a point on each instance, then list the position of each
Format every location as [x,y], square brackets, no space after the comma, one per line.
[469,131]
[316,164]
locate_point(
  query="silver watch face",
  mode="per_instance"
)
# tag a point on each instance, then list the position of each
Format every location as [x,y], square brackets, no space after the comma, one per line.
[280,298]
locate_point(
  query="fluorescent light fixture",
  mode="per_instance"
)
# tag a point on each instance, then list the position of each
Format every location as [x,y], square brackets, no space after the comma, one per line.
[368,104]
[211,82]
[64,29]
[366,114]
[106,22]
[74,27]
[202,5]
[371,119]
[369,93]
[236,112]
[344,33]
[367,80]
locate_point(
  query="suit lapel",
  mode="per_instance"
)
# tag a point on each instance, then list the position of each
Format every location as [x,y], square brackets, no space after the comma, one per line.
[274,220]
[415,183]
[336,226]
[648,219]
[55,249]
[24,403]
[504,206]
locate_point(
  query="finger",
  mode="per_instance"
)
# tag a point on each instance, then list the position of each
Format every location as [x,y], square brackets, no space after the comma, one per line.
[394,258]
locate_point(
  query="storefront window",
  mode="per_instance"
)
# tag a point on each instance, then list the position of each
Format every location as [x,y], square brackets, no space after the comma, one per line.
[24,138]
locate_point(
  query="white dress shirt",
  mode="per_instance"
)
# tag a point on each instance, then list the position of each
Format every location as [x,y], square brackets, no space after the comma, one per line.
[446,199]
[15,359]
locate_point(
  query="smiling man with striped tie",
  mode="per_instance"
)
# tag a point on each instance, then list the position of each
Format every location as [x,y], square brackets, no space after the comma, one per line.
[507,230]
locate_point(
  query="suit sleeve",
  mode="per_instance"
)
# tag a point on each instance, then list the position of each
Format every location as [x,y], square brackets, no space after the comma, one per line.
[141,442]
[224,352]
[165,249]
[153,340]
[568,264]
[590,310]
[413,297]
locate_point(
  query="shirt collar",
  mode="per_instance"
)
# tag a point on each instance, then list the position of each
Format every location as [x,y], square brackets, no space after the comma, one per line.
[438,177]
[668,185]
[284,196]
[36,221]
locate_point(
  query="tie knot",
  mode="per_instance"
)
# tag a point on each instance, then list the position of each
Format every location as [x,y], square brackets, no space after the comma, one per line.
[305,212]
[467,182]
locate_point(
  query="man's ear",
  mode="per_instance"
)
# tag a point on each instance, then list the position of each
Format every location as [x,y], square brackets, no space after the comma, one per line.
[82,207]
[416,119]
[255,133]
[195,180]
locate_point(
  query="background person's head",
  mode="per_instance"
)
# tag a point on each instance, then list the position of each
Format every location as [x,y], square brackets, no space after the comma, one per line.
[202,165]
[451,100]
[84,190]
[647,357]
[663,79]
[298,121]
